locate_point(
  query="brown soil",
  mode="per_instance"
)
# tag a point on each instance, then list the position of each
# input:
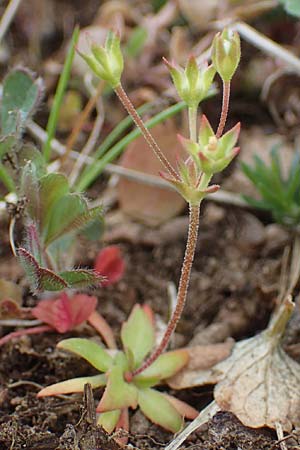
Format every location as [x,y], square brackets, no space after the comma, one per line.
[233,287]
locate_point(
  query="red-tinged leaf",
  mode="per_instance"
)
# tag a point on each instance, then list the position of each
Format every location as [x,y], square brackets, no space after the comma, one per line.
[159,410]
[73,385]
[101,325]
[118,394]
[183,408]
[65,313]
[165,366]
[123,424]
[110,264]
[109,419]
[28,331]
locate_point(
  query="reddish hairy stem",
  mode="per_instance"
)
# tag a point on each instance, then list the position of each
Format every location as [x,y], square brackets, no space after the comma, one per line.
[182,288]
[145,132]
[225,106]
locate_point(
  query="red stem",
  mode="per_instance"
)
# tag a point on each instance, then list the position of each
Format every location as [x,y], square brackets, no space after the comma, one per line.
[182,289]
[225,107]
[146,133]
[18,333]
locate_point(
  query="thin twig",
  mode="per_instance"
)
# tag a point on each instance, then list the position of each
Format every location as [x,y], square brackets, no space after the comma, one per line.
[83,116]
[223,197]
[19,323]
[8,16]
[202,418]
[89,146]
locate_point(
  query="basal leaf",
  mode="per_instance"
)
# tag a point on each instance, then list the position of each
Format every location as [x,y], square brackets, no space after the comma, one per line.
[110,264]
[137,335]
[159,410]
[88,350]
[84,219]
[165,366]
[29,188]
[21,95]
[118,393]
[108,420]
[29,153]
[73,385]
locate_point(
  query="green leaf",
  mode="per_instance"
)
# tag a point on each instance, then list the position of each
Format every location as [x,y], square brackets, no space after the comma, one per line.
[73,385]
[64,212]
[79,278]
[41,279]
[136,42]
[165,366]
[292,7]
[159,410]
[21,95]
[118,394]
[29,187]
[137,335]
[108,420]
[6,144]
[29,153]
[52,188]
[83,220]
[88,350]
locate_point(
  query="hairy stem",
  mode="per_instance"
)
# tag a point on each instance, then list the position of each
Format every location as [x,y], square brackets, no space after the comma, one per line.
[182,289]
[146,133]
[193,123]
[225,106]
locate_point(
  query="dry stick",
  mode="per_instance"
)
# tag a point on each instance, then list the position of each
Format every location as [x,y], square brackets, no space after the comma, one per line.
[83,116]
[225,106]
[146,133]
[182,289]
[8,16]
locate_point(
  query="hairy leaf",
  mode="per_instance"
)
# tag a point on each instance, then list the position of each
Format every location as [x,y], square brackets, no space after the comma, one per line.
[79,278]
[52,187]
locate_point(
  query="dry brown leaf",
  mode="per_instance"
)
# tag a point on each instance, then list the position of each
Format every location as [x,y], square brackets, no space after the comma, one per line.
[148,204]
[199,369]
[261,382]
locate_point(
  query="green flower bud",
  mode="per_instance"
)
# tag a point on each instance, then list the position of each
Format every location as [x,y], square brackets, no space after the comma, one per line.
[226,53]
[106,62]
[211,154]
[192,83]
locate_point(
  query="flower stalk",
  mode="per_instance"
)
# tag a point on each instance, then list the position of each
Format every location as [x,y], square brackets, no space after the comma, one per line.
[194,211]
[225,107]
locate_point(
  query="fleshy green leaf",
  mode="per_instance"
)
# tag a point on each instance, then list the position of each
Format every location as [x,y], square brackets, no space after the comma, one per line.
[118,394]
[159,410]
[165,366]
[21,95]
[137,335]
[88,350]
[108,420]
[73,385]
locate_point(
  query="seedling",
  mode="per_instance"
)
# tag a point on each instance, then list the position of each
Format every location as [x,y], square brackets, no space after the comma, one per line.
[122,390]
[207,154]
[52,215]
[279,194]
